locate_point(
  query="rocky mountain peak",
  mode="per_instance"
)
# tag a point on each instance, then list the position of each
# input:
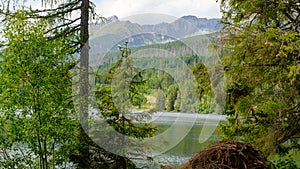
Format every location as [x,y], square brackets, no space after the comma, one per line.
[112,19]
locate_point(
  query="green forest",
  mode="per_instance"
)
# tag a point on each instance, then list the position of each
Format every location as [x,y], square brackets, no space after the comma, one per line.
[158,83]
[46,96]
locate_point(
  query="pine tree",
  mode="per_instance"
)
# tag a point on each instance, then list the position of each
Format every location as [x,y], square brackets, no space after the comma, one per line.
[114,102]
[262,67]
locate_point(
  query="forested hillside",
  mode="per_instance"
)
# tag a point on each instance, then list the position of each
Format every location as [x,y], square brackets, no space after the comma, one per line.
[157,79]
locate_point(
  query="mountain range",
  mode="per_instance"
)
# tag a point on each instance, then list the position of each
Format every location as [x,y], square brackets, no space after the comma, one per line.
[107,36]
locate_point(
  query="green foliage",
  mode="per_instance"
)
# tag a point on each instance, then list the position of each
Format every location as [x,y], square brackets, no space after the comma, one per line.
[262,69]
[115,103]
[158,77]
[204,87]
[283,163]
[172,96]
[160,101]
[37,119]
[177,102]
[137,90]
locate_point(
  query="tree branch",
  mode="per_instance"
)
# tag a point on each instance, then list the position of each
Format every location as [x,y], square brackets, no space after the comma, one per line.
[63,25]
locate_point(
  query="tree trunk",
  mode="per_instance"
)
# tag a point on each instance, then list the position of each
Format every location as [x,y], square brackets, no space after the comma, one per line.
[84,90]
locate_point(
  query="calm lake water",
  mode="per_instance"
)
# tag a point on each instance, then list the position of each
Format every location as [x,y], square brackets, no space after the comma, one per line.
[202,126]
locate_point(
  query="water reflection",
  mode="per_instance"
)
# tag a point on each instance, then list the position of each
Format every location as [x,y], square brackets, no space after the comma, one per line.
[187,146]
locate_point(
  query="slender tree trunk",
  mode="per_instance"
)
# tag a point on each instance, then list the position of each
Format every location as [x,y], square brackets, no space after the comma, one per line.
[53,155]
[84,90]
[45,153]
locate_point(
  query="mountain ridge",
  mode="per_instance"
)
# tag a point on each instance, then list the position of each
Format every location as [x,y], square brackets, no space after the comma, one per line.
[114,31]
[180,28]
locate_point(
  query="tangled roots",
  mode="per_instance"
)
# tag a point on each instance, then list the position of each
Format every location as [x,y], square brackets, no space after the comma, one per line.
[227,155]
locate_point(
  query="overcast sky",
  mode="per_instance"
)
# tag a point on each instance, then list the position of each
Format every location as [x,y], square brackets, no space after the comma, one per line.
[152,11]
[176,8]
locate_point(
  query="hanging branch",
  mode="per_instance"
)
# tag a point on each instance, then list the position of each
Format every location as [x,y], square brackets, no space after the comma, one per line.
[61,17]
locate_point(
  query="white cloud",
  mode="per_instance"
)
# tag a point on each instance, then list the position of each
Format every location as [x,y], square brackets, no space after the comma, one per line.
[177,8]
[168,9]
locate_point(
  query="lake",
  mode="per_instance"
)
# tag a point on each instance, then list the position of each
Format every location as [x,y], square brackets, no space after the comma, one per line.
[202,127]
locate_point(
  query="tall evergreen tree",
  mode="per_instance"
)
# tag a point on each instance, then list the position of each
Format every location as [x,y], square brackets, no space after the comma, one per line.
[262,67]
[115,104]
